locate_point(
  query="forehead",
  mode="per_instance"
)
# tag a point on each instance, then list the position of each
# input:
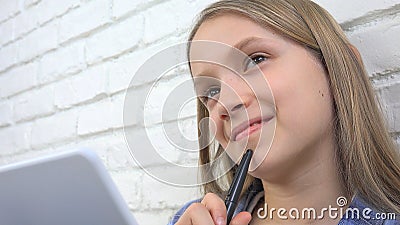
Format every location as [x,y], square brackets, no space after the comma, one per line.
[227,39]
[231,28]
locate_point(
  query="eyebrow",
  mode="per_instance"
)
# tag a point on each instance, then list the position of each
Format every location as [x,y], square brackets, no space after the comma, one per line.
[205,73]
[240,45]
[243,43]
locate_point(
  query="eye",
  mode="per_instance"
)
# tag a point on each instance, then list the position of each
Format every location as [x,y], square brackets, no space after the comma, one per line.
[211,93]
[254,60]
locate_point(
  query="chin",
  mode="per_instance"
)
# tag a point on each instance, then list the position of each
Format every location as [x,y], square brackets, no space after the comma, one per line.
[259,158]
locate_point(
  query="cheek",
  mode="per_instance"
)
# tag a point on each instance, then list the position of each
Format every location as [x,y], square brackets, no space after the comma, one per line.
[302,95]
[217,129]
[304,106]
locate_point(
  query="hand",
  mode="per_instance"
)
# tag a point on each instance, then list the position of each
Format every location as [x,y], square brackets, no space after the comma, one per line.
[211,211]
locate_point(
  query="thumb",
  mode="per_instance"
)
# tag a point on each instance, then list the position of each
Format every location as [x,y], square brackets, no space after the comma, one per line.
[242,218]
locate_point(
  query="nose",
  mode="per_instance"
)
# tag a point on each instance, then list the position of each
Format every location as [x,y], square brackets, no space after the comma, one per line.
[226,114]
[233,99]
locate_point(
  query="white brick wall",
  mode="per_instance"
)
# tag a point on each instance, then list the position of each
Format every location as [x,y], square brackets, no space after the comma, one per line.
[7,29]
[51,67]
[89,16]
[37,103]
[38,42]
[64,66]
[18,79]
[8,9]
[123,36]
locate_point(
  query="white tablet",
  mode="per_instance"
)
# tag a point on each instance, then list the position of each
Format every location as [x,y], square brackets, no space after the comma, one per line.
[63,189]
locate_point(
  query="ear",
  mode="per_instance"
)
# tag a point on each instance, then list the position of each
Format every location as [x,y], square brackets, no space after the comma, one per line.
[356,52]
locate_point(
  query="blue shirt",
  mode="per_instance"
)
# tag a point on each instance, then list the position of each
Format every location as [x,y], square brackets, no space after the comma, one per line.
[358,212]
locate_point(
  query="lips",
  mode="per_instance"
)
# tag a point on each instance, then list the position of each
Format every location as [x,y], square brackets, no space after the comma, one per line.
[248,127]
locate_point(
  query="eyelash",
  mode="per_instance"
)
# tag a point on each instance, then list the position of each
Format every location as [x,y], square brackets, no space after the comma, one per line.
[252,58]
[207,94]
[255,58]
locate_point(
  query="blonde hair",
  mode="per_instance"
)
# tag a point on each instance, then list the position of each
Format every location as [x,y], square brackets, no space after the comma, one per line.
[366,157]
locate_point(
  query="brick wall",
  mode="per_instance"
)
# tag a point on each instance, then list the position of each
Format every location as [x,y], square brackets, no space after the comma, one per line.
[64,66]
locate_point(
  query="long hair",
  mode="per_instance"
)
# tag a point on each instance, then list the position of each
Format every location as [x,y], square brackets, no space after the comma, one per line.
[366,156]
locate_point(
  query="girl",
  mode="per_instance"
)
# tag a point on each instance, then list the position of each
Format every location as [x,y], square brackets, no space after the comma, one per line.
[330,140]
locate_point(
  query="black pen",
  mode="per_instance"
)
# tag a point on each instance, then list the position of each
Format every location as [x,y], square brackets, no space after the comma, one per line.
[236,187]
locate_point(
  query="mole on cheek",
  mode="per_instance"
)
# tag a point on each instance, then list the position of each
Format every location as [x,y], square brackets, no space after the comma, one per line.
[322,94]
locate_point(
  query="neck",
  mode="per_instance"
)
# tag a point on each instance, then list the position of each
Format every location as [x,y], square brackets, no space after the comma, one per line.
[315,184]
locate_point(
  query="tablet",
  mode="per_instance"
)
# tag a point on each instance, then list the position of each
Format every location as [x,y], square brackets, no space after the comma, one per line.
[67,188]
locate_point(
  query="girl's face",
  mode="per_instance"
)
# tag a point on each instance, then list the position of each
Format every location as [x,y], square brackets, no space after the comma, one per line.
[295,114]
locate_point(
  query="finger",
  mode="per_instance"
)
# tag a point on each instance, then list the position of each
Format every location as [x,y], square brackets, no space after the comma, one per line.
[216,207]
[242,218]
[195,214]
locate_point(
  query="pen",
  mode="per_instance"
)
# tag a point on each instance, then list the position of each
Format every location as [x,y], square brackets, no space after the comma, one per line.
[236,187]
